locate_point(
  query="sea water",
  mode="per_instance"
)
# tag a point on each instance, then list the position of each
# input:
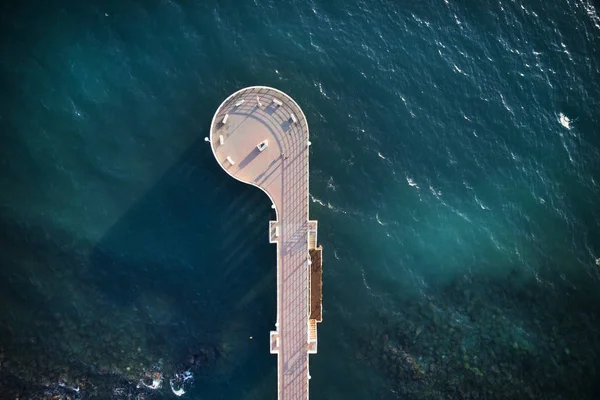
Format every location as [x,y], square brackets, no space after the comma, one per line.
[455,172]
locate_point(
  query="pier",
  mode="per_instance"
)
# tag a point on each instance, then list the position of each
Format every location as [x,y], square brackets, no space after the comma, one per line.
[259,136]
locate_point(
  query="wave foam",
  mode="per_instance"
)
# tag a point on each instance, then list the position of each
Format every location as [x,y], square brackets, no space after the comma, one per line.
[328,205]
[564,120]
[411,182]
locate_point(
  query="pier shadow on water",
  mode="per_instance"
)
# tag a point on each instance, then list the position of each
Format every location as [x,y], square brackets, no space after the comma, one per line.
[186,270]
[192,257]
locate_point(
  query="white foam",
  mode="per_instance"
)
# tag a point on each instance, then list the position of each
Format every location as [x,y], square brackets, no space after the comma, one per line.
[506,106]
[178,392]
[322,91]
[564,120]
[328,205]
[411,182]
[315,200]
[330,184]
[364,278]
[591,12]
[480,203]
[335,254]
[156,383]
[436,193]
[181,379]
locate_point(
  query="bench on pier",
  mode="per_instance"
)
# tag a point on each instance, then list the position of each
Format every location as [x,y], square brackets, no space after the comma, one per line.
[274,231]
[274,342]
[262,145]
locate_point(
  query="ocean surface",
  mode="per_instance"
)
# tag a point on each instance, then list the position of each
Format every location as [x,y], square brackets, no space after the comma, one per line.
[455,174]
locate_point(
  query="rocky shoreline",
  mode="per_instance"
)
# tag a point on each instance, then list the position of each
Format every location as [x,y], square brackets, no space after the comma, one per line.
[27,377]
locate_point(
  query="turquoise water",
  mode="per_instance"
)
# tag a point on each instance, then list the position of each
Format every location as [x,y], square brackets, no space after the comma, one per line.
[455,169]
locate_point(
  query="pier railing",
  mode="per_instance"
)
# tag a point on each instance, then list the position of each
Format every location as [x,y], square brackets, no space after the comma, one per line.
[312,331]
[312,234]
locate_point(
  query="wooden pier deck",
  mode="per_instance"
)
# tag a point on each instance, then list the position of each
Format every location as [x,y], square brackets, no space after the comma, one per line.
[264,118]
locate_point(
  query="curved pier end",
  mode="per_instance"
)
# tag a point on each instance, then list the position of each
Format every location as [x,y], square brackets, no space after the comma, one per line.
[259,135]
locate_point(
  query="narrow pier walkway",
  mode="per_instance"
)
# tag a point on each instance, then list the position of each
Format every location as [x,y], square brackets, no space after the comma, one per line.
[259,135]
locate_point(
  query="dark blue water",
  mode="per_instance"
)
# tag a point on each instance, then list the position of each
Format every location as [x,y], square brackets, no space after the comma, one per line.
[455,172]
